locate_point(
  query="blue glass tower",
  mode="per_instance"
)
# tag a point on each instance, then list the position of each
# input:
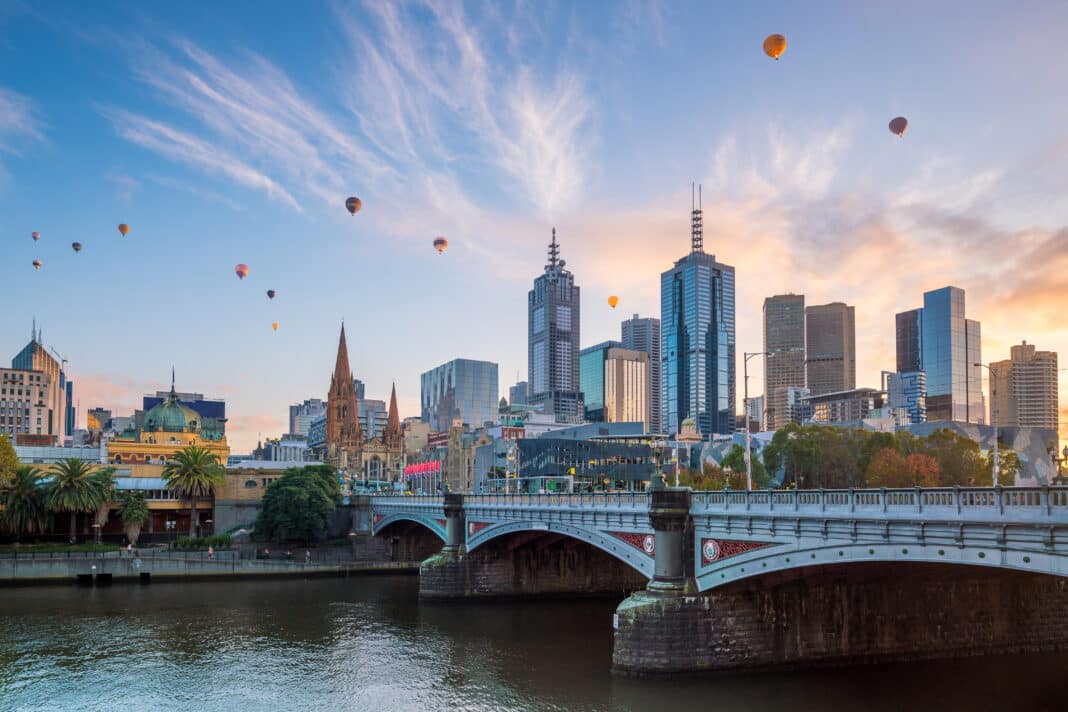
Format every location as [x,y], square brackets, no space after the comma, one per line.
[697,339]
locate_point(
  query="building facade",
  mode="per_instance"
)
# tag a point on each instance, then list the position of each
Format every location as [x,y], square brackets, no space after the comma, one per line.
[519,393]
[462,389]
[591,379]
[553,333]
[908,390]
[950,347]
[850,406]
[24,406]
[1023,388]
[34,357]
[784,342]
[643,334]
[697,340]
[615,384]
[830,348]
[301,415]
[909,333]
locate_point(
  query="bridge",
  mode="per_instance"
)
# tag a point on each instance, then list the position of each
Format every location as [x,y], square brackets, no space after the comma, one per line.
[846,552]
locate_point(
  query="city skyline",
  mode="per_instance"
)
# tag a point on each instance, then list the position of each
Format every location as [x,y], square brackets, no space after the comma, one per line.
[811,196]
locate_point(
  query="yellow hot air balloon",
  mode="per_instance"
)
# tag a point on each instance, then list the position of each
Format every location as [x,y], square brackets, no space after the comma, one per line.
[613,301]
[774,46]
[124,229]
[274,325]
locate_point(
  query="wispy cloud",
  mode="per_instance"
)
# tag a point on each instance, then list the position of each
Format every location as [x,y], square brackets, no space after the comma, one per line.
[20,121]
[175,184]
[125,186]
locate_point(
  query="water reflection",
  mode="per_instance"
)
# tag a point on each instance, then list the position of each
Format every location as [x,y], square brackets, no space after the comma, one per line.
[366,643]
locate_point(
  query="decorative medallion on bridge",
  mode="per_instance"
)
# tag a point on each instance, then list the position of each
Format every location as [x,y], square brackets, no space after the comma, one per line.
[645,542]
[441,522]
[378,518]
[475,527]
[717,549]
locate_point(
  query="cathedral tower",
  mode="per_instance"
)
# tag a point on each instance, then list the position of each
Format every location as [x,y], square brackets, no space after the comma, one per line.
[343,436]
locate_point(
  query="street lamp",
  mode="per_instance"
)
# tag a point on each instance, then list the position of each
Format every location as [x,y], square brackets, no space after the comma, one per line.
[993,397]
[745,409]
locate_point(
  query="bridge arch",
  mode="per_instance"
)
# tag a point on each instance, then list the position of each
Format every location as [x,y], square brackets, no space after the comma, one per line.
[787,558]
[435,525]
[628,554]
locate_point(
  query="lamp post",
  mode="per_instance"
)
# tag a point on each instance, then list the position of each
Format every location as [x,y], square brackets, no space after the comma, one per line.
[745,408]
[993,397]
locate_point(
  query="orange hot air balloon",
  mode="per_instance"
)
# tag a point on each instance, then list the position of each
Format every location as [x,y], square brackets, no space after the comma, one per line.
[241,271]
[613,301]
[37,264]
[77,246]
[353,205]
[441,244]
[774,46]
[274,325]
[36,236]
[898,126]
[124,229]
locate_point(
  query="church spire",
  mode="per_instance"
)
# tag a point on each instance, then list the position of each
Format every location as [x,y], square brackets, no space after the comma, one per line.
[393,428]
[343,434]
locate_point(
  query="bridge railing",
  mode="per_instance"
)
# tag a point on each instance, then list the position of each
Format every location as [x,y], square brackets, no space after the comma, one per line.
[583,500]
[428,500]
[981,502]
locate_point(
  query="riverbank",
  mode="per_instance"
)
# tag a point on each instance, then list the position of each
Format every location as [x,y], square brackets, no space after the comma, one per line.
[117,567]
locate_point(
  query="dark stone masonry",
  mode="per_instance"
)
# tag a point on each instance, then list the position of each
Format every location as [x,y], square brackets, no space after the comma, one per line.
[832,616]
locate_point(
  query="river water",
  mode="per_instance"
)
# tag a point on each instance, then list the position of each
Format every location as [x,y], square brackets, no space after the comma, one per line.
[368,644]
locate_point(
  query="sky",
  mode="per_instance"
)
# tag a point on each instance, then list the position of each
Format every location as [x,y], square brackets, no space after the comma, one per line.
[233,132]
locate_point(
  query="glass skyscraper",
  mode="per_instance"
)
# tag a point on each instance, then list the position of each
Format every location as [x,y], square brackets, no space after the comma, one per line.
[697,340]
[784,339]
[830,348]
[591,379]
[553,320]
[644,335]
[463,389]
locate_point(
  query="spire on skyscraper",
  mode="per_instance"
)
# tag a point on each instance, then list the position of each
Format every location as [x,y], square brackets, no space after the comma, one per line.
[697,239]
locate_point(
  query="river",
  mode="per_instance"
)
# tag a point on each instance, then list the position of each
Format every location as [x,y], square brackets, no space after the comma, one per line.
[368,644]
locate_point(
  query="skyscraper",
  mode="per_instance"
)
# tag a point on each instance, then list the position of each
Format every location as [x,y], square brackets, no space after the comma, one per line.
[938,340]
[697,339]
[615,384]
[461,389]
[644,335]
[1024,388]
[34,357]
[591,379]
[830,348]
[519,393]
[553,319]
[301,415]
[784,340]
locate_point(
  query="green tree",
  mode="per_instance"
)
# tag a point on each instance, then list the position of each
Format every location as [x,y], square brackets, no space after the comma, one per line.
[1008,467]
[73,489]
[24,509]
[959,459]
[735,462]
[104,481]
[194,472]
[134,513]
[300,504]
[9,461]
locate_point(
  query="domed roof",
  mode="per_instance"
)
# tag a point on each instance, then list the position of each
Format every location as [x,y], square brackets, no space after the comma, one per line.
[170,416]
[688,421]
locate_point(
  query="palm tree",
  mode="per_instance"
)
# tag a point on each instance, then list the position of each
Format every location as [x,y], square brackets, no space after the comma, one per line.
[194,472]
[23,502]
[134,513]
[104,481]
[73,490]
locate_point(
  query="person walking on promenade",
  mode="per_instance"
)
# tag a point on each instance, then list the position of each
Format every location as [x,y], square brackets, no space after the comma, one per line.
[211,553]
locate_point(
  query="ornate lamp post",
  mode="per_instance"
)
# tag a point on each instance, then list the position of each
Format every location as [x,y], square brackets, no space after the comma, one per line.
[745,411]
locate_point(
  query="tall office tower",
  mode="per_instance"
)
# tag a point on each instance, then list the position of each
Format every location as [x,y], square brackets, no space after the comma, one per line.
[909,331]
[950,346]
[784,367]
[831,348]
[908,390]
[553,320]
[518,394]
[301,415]
[644,335]
[462,389]
[697,339]
[34,357]
[615,384]
[1023,388]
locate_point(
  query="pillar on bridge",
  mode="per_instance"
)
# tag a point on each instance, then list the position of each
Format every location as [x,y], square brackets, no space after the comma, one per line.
[455,525]
[669,512]
[361,514]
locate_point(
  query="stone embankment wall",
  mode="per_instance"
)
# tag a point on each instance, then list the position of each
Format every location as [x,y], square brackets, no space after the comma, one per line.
[842,615]
[527,564]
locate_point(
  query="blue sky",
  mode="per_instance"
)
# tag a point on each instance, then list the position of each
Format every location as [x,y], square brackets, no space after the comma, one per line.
[233,132]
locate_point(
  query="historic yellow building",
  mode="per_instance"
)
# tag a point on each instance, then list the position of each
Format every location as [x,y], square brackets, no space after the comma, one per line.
[165,429]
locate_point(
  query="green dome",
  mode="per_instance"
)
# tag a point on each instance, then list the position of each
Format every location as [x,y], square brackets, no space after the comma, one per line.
[170,416]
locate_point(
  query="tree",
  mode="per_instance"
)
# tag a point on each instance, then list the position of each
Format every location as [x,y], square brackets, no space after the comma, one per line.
[923,469]
[194,472]
[134,513]
[299,504]
[1008,468]
[104,481]
[9,461]
[23,502]
[887,469]
[73,490]
[959,459]
[735,462]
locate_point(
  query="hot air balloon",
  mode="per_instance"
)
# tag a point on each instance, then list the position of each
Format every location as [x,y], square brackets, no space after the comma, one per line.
[774,46]
[274,325]
[270,293]
[124,229]
[613,301]
[77,246]
[241,271]
[36,236]
[898,126]
[37,264]
[353,204]
[441,244]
